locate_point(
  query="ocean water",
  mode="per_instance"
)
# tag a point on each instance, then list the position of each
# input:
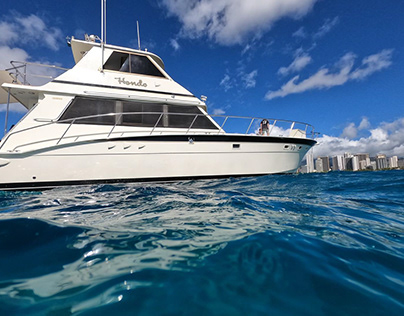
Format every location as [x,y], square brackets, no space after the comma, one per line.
[312,244]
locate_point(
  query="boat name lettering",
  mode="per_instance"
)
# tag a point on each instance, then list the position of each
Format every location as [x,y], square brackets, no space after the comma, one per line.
[140,83]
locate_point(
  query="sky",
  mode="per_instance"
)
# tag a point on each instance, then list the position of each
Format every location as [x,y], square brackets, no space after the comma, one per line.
[338,65]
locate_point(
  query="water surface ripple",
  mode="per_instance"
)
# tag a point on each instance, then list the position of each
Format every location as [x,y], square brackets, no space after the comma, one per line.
[314,244]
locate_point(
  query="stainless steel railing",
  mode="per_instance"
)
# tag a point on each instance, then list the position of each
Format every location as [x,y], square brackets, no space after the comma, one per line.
[234,125]
[21,71]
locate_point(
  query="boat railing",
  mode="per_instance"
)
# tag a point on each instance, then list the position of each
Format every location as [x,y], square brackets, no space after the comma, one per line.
[250,126]
[29,73]
[277,127]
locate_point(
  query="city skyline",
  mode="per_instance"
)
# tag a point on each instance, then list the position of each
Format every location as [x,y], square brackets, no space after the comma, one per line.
[332,64]
[350,162]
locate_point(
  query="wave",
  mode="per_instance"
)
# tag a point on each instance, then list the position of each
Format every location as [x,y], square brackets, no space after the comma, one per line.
[315,244]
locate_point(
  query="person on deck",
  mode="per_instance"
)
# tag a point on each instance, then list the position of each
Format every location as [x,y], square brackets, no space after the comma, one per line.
[264,127]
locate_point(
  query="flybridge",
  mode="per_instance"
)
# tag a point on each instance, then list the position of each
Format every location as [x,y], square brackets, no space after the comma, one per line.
[81,47]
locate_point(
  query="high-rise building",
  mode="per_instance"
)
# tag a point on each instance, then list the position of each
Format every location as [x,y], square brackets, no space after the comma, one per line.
[362,156]
[373,165]
[381,161]
[322,164]
[363,164]
[338,163]
[319,165]
[326,163]
[393,162]
[348,161]
[355,163]
[334,166]
[341,162]
[363,160]
[310,161]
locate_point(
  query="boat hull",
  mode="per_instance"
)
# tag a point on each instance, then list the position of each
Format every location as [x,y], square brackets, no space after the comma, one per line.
[151,158]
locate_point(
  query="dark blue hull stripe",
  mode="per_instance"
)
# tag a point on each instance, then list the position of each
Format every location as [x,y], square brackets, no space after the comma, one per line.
[219,138]
[35,186]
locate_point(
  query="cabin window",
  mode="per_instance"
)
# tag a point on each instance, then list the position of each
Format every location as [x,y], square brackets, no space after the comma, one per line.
[84,107]
[137,64]
[128,113]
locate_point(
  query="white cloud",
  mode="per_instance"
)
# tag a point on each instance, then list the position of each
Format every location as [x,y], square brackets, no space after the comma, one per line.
[226,82]
[246,49]
[300,33]
[241,79]
[231,22]
[350,131]
[250,79]
[35,29]
[174,43]
[364,124]
[7,33]
[29,30]
[219,111]
[8,54]
[18,33]
[297,64]
[387,138]
[326,27]
[373,63]
[325,78]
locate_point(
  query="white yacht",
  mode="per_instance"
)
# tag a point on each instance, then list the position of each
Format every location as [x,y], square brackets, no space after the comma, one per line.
[117,116]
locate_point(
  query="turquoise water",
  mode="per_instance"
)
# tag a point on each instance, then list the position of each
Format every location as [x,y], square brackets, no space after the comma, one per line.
[314,244]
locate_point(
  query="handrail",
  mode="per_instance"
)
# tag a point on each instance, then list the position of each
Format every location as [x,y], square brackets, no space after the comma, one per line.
[193,121]
[224,122]
[116,122]
[272,127]
[155,125]
[74,121]
[249,126]
[61,137]
[17,65]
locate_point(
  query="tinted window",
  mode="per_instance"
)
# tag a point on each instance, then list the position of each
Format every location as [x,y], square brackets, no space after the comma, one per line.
[142,65]
[118,62]
[82,107]
[142,114]
[135,114]
[132,63]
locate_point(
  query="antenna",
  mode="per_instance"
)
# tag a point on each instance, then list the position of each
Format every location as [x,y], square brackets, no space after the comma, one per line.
[103,30]
[138,34]
[105,21]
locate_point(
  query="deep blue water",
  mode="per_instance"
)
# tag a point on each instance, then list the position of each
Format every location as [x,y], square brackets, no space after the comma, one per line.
[313,244]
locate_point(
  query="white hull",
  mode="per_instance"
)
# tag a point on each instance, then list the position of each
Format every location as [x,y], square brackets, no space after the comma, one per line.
[134,160]
[122,118]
